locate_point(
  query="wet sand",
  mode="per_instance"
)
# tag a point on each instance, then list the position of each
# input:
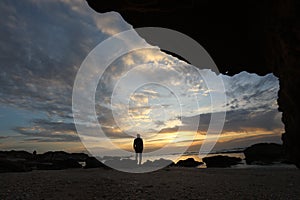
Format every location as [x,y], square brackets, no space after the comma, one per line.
[170,183]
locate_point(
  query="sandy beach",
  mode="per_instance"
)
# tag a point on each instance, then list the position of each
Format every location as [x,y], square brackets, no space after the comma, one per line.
[169,183]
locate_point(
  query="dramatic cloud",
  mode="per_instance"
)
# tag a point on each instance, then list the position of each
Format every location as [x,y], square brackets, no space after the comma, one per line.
[46,131]
[245,90]
[241,121]
[42,47]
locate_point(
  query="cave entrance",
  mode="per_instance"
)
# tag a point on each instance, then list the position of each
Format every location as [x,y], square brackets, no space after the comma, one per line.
[257,37]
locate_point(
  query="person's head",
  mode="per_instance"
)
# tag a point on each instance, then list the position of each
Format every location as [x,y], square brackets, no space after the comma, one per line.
[138,135]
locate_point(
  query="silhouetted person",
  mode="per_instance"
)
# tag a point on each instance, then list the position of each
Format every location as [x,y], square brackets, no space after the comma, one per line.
[138,147]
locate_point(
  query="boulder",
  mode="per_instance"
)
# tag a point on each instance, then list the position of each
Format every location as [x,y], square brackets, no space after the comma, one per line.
[66,164]
[221,161]
[61,155]
[264,153]
[47,166]
[53,155]
[122,163]
[158,163]
[13,166]
[80,157]
[58,164]
[92,162]
[190,162]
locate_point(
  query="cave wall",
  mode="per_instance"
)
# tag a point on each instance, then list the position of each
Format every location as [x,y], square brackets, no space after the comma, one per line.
[283,56]
[254,36]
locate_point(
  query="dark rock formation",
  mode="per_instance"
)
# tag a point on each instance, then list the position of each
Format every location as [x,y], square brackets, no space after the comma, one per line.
[61,155]
[189,162]
[13,166]
[121,163]
[68,163]
[221,161]
[257,36]
[53,155]
[80,157]
[59,160]
[16,161]
[92,162]
[161,163]
[264,153]
[58,164]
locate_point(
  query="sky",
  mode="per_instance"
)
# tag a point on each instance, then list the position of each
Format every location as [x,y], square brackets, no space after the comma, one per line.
[43,44]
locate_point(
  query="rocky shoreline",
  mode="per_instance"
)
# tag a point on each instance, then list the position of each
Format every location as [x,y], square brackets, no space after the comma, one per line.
[22,161]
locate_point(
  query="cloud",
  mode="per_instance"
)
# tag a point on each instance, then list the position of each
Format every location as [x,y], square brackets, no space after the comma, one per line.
[245,90]
[169,130]
[44,130]
[242,128]
[47,131]
[241,120]
[166,75]
[246,94]
[45,43]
